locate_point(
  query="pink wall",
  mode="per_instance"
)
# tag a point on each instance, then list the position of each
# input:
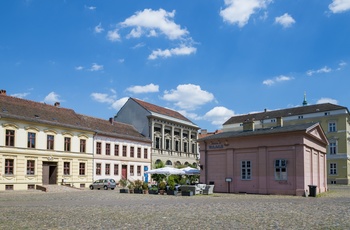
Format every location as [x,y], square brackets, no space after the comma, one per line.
[305,156]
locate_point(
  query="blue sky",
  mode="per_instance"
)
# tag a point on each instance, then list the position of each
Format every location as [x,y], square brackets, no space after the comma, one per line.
[208,59]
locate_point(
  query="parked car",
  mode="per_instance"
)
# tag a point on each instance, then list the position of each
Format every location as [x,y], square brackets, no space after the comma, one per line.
[103,183]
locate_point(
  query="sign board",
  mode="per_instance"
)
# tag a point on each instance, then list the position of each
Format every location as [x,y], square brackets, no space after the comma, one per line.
[228,179]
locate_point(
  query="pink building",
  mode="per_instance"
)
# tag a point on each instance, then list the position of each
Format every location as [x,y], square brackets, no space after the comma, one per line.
[281,160]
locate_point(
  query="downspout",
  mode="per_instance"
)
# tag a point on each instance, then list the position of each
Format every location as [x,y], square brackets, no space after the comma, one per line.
[93,156]
[205,162]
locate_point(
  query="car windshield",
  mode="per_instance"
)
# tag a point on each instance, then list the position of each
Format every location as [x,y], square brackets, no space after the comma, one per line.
[112,180]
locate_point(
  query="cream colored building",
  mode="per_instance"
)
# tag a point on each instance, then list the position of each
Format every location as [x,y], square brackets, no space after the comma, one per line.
[334,120]
[173,136]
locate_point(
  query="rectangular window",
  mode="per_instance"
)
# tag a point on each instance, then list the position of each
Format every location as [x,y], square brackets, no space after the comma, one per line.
[177,146]
[145,153]
[82,145]
[108,149]
[300,117]
[167,144]
[139,170]
[138,152]
[98,169]
[333,169]
[9,187]
[332,127]
[124,151]
[185,147]
[50,142]
[246,170]
[10,137]
[31,140]
[67,144]
[30,167]
[31,187]
[332,147]
[108,169]
[116,150]
[157,143]
[194,148]
[281,169]
[131,151]
[131,170]
[9,166]
[98,148]
[66,168]
[116,169]
[82,169]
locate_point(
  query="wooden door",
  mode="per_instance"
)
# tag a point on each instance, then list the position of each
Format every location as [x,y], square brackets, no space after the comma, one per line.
[125,171]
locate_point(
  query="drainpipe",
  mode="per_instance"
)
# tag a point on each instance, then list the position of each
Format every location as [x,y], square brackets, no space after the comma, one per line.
[206,162]
[93,156]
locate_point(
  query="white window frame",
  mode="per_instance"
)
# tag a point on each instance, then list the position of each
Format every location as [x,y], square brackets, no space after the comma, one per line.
[280,167]
[246,170]
[332,126]
[333,147]
[332,168]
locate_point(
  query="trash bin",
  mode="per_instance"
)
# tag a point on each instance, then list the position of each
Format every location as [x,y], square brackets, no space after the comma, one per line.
[312,190]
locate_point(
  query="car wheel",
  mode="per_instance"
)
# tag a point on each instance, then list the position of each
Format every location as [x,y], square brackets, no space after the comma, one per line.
[112,188]
[91,187]
[105,187]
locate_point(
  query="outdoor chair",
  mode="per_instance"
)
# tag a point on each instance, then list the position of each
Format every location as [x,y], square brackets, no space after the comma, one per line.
[209,189]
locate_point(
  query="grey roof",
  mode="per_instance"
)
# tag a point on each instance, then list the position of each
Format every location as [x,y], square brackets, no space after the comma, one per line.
[326,107]
[265,131]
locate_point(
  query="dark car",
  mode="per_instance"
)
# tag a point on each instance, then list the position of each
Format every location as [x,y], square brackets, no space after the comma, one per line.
[103,183]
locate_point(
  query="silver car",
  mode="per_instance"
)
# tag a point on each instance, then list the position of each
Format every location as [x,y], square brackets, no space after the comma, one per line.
[103,183]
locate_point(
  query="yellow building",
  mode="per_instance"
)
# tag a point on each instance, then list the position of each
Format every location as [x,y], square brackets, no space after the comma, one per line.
[334,120]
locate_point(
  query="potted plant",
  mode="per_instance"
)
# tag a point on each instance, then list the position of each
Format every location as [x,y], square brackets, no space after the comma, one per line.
[171,189]
[145,187]
[131,186]
[153,190]
[138,186]
[124,183]
[162,187]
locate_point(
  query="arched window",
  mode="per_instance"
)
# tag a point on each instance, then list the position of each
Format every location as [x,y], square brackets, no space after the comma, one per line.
[168,162]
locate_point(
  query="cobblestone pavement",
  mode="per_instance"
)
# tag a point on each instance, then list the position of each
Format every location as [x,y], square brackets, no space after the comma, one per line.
[99,209]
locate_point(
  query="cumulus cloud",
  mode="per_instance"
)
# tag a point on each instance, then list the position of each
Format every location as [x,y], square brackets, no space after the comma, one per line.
[90,7]
[239,11]
[339,6]
[79,68]
[218,115]
[150,88]
[20,95]
[285,20]
[151,21]
[327,100]
[322,70]
[188,96]
[103,98]
[113,35]
[183,50]
[96,67]
[51,98]
[280,78]
[119,103]
[98,29]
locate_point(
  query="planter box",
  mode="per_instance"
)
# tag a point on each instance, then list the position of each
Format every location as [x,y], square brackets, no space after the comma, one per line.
[138,191]
[155,192]
[171,192]
[187,193]
[124,190]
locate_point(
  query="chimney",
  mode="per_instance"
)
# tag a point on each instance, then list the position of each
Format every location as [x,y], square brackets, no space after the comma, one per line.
[3,92]
[111,120]
[248,125]
[57,104]
[279,122]
[204,131]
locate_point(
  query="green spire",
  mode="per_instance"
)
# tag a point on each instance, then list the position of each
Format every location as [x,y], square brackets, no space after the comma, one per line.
[304,102]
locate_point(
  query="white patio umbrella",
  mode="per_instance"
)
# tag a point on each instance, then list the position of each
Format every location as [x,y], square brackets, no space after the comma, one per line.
[191,171]
[166,171]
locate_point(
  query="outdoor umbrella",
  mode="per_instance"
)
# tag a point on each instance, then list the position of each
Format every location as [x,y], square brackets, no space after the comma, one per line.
[191,171]
[166,171]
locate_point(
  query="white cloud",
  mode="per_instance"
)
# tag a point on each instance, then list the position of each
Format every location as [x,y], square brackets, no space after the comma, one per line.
[51,98]
[113,35]
[322,70]
[139,45]
[183,50]
[188,96]
[339,6]
[96,67]
[239,11]
[218,115]
[79,68]
[150,88]
[103,98]
[341,65]
[327,100]
[280,78]
[191,116]
[90,7]
[98,29]
[20,95]
[119,103]
[122,60]
[152,21]
[285,20]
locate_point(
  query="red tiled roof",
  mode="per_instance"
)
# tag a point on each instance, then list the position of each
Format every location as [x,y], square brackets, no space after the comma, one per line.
[161,110]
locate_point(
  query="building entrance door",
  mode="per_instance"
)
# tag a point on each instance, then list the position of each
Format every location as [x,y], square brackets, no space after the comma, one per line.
[125,171]
[49,172]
